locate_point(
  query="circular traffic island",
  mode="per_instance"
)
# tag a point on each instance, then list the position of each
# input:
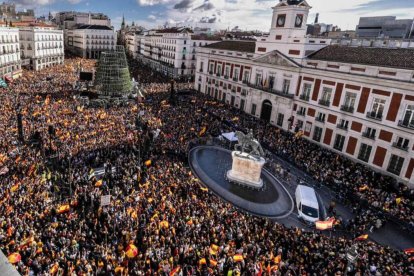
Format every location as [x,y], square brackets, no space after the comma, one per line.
[211,164]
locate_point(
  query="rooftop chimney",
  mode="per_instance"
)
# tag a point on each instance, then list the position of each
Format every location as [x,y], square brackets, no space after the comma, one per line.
[317,18]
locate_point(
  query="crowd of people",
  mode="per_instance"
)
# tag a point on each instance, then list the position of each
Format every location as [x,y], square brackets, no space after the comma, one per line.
[160,220]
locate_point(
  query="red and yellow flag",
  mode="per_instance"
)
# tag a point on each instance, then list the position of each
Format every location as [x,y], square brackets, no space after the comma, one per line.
[175,271]
[238,258]
[202,261]
[99,183]
[54,269]
[164,224]
[14,258]
[63,209]
[131,251]
[214,249]
[324,225]
[213,263]
[362,237]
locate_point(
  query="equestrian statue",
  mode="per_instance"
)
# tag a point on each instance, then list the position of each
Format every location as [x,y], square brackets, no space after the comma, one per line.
[248,144]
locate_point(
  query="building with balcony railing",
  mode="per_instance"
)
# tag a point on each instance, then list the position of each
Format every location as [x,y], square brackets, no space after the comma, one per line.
[42,45]
[175,47]
[10,62]
[88,41]
[357,101]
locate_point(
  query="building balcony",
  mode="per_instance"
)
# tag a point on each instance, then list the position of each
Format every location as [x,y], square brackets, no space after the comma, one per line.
[245,81]
[324,103]
[368,135]
[304,97]
[405,124]
[320,120]
[235,79]
[399,146]
[301,113]
[218,75]
[343,127]
[210,73]
[374,116]
[270,90]
[226,77]
[349,109]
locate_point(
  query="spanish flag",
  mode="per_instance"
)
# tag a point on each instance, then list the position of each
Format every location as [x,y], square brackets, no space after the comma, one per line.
[202,261]
[175,271]
[398,200]
[324,225]
[99,183]
[14,188]
[131,251]
[164,224]
[148,163]
[362,237]
[238,258]
[202,131]
[363,188]
[278,259]
[14,258]
[63,209]
[54,269]
[213,263]
[119,269]
[214,249]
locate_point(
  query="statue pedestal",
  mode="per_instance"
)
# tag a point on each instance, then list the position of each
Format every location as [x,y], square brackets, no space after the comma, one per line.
[246,170]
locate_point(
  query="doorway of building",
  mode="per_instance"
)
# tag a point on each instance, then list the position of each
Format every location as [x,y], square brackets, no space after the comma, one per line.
[266,111]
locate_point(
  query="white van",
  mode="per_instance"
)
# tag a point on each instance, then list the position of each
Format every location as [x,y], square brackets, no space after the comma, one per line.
[307,203]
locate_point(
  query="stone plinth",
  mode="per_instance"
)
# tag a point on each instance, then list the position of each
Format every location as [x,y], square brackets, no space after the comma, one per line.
[246,170]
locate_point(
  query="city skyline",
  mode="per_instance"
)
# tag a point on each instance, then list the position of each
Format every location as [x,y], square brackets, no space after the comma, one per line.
[219,14]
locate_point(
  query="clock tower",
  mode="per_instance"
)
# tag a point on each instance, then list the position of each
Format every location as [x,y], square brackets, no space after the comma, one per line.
[289,20]
[288,29]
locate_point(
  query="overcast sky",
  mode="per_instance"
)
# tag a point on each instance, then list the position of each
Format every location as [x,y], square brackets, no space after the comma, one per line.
[222,14]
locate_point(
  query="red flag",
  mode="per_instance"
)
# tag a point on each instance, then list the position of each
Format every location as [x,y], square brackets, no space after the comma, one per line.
[409,251]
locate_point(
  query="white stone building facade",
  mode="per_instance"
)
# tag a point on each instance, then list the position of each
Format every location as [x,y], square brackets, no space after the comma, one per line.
[357,102]
[88,41]
[10,63]
[170,51]
[42,46]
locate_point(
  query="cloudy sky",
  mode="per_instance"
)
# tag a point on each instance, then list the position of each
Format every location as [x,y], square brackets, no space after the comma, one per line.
[222,14]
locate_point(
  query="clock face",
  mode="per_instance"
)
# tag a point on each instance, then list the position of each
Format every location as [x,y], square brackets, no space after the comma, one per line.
[281,20]
[299,20]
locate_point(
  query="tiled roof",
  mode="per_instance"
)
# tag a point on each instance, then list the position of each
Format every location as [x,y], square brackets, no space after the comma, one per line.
[384,57]
[233,45]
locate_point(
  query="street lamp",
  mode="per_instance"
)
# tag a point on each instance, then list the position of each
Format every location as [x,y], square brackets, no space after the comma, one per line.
[351,257]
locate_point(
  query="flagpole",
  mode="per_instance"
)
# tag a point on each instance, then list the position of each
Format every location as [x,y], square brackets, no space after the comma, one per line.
[411,30]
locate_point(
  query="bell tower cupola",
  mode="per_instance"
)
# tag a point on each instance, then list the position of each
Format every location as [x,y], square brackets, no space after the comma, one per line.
[288,31]
[289,20]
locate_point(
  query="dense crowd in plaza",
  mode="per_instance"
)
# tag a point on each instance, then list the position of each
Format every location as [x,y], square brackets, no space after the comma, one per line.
[157,206]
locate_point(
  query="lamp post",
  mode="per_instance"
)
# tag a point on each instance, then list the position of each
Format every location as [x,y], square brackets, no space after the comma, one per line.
[351,257]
